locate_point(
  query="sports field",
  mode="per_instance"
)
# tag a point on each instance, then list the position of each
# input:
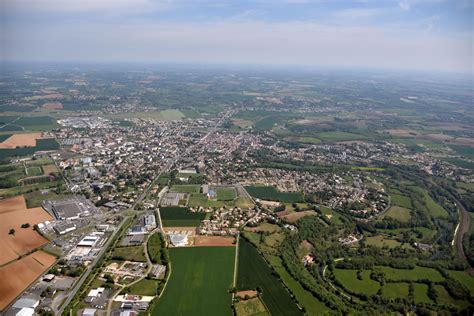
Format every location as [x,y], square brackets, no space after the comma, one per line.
[199,282]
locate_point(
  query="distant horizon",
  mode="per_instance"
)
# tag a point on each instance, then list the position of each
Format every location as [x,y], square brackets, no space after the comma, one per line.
[431,35]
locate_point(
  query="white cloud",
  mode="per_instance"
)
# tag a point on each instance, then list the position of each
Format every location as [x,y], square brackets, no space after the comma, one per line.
[404,5]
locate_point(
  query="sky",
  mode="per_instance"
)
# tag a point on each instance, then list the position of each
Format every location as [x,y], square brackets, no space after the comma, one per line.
[402,34]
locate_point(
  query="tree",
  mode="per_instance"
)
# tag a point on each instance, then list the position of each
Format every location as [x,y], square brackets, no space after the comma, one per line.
[25,225]
[11,232]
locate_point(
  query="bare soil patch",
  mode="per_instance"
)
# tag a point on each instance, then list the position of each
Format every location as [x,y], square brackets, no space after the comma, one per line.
[249,293]
[293,217]
[47,169]
[18,275]
[403,132]
[13,214]
[20,140]
[202,241]
[52,106]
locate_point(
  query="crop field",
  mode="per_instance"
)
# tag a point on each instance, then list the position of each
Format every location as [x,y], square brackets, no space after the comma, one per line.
[186,188]
[382,241]
[401,200]
[398,212]
[175,216]
[337,136]
[348,278]
[272,194]
[20,140]
[164,115]
[41,144]
[18,275]
[421,293]
[199,282]
[225,194]
[293,217]
[51,168]
[135,253]
[213,241]
[34,171]
[13,213]
[254,272]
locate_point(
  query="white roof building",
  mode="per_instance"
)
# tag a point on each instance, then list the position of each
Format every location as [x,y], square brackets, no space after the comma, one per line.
[178,240]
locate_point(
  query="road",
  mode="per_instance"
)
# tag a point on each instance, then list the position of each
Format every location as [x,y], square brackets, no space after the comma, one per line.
[86,273]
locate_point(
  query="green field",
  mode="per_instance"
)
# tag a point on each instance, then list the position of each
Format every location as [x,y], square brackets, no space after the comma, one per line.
[155,247]
[251,307]
[337,136]
[418,273]
[129,253]
[421,293]
[398,212]
[199,283]
[464,278]
[175,216]
[401,200]
[254,272]
[186,188]
[348,278]
[382,241]
[434,208]
[272,194]
[225,194]
[144,287]
[41,144]
[164,115]
[395,290]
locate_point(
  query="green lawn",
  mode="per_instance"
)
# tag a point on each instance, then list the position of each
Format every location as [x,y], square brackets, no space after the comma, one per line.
[401,200]
[348,278]
[254,272]
[421,293]
[186,188]
[199,282]
[251,307]
[144,287]
[175,216]
[225,194]
[382,241]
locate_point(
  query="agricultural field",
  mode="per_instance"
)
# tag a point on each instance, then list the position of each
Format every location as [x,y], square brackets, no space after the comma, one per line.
[41,144]
[164,115]
[348,278]
[199,282]
[13,214]
[382,241]
[395,290]
[398,212]
[186,188]
[272,194]
[415,274]
[27,123]
[144,287]
[254,272]
[18,275]
[175,216]
[135,253]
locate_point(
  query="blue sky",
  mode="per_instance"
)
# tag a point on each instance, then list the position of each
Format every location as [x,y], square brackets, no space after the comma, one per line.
[404,34]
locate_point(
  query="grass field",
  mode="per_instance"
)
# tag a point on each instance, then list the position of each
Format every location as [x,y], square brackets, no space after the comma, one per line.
[225,194]
[398,212]
[251,307]
[175,216]
[348,278]
[421,293]
[337,136]
[401,200]
[154,248]
[254,272]
[41,144]
[164,115]
[382,241]
[415,274]
[464,278]
[129,253]
[199,282]
[271,193]
[434,208]
[144,287]
[186,188]
[395,290]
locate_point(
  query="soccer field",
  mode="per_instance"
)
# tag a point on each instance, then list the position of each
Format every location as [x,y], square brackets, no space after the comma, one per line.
[199,282]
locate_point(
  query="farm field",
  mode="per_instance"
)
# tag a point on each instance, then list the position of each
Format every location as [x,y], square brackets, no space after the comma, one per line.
[144,287]
[415,274]
[20,140]
[175,216]
[421,293]
[225,194]
[464,278]
[41,144]
[401,200]
[348,278]
[395,290]
[13,213]
[382,241]
[293,217]
[199,282]
[272,194]
[18,275]
[254,272]
[434,208]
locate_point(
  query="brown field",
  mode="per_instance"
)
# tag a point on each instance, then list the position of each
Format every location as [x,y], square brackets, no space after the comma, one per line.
[250,293]
[270,203]
[13,213]
[18,275]
[465,141]
[242,123]
[293,217]
[173,229]
[403,132]
[20,140]
[438,137]
[47,169]
[203,241]
[52,106]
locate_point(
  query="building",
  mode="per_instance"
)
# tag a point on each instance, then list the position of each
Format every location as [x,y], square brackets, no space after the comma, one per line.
[48,277]
[137,230]
[150,222]
[88,241]
[89,312]
[62,229]
[178,240]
